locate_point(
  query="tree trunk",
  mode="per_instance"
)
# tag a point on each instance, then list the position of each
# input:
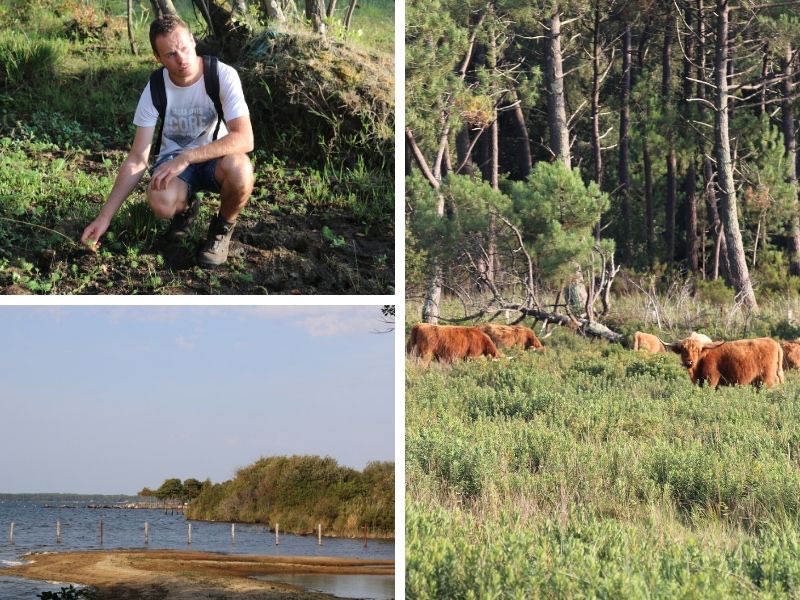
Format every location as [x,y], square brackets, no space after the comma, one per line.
[315,12]
[515,144]
[762,105]
[433,293]
[689,187]
[739,275]
[494,152]
[131,39]
[597,157]
[790,144]
[162,8]
[690,179]
[556,103]
[348,16]
[623,169]
[331,8]
[463,153]
[719,266]
[649,208]
[274,11]
[666,85]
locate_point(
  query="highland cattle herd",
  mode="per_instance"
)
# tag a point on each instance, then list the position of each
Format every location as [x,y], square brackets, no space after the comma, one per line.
[757,362]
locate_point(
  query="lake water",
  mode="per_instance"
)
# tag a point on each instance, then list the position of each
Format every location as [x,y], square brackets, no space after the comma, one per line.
[35,531]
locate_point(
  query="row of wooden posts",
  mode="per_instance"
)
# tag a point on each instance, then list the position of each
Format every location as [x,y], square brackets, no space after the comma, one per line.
[188,534]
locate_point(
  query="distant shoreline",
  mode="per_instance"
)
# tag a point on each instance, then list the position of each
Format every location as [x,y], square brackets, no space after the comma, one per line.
[186,575]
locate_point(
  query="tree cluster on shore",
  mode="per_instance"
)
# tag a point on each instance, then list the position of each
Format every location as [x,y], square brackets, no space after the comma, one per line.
[298,493]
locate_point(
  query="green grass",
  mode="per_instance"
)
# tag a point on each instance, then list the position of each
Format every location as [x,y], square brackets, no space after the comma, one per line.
[372,25]
[590,470]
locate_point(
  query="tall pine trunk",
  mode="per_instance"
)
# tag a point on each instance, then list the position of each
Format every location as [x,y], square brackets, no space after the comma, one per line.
[556,102]
[623,164]
[739,276]
[690,179]
[666,85]
[790,144]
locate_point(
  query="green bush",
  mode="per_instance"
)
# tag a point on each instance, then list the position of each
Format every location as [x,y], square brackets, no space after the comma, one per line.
[593,471]
[714,291]
[69,593]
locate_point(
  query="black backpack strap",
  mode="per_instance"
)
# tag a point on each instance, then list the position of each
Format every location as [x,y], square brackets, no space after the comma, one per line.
[211,79]
[158,94]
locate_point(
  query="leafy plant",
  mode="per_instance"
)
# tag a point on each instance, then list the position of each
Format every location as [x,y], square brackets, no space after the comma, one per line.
[334,240]
[69,593]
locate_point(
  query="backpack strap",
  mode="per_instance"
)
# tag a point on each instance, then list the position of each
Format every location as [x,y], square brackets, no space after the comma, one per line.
[158,94]
[211,80]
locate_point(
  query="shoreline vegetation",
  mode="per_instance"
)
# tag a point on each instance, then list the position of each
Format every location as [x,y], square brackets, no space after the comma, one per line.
[187,575]
[298,493]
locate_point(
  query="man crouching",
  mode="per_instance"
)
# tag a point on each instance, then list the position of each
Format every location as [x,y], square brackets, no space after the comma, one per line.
[199,149]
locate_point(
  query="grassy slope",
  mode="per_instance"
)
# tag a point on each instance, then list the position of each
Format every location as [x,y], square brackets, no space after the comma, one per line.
[593,471]
[65,128]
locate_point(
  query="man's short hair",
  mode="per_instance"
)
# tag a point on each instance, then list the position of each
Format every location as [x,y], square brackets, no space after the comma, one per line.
[165,25]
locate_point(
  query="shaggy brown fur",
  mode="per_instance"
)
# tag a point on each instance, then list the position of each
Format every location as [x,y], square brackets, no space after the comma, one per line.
[448,343]
[791,355]
[741,362]
[508,336]
[647,342]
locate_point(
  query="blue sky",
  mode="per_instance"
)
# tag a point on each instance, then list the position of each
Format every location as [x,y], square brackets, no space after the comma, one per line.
[109,399]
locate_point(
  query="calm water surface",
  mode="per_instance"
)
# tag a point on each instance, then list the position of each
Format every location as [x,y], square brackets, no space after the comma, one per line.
[35,531]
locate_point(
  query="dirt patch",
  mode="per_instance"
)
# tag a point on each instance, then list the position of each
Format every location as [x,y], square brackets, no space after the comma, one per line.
[284,243]
[179,575]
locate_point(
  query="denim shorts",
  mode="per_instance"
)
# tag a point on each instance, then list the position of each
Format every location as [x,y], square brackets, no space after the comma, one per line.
[199,177]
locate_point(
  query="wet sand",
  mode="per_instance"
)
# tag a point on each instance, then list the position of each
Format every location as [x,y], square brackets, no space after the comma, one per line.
[181,575]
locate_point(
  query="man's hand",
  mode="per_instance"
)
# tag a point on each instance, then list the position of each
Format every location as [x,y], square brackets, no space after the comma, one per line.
[167,171]
[95,229]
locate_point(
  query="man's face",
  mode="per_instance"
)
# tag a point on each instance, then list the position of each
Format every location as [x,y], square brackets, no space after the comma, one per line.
[176,52]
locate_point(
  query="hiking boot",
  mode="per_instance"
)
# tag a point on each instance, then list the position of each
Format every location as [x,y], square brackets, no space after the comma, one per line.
[215,251]
[179,225]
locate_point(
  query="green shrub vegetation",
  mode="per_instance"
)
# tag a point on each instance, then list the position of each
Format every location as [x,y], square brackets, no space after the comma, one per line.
[593,471]
[300,492]
[323,116]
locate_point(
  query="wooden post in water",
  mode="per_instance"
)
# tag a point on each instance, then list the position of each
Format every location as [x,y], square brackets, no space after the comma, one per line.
[319,534]
[101,531]
[233,533]
[366,531]
[189,538]
[58,532]
[11,535]
[277,535]
[146,533]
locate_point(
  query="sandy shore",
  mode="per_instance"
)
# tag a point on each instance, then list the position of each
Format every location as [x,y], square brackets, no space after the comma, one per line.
[179,575]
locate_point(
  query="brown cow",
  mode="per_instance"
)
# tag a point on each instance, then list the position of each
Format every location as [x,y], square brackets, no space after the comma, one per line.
[791,355]
[741,362]
[507,336]
[647,342]
[448,343]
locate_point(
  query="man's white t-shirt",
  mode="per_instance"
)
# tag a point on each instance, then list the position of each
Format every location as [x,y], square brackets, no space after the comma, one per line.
[191,117]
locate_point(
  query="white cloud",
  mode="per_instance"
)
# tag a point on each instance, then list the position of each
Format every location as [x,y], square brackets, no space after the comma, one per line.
[322,321]
[184,344]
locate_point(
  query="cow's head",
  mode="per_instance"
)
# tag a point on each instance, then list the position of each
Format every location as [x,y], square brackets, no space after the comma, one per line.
[689,350]
[534,341]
